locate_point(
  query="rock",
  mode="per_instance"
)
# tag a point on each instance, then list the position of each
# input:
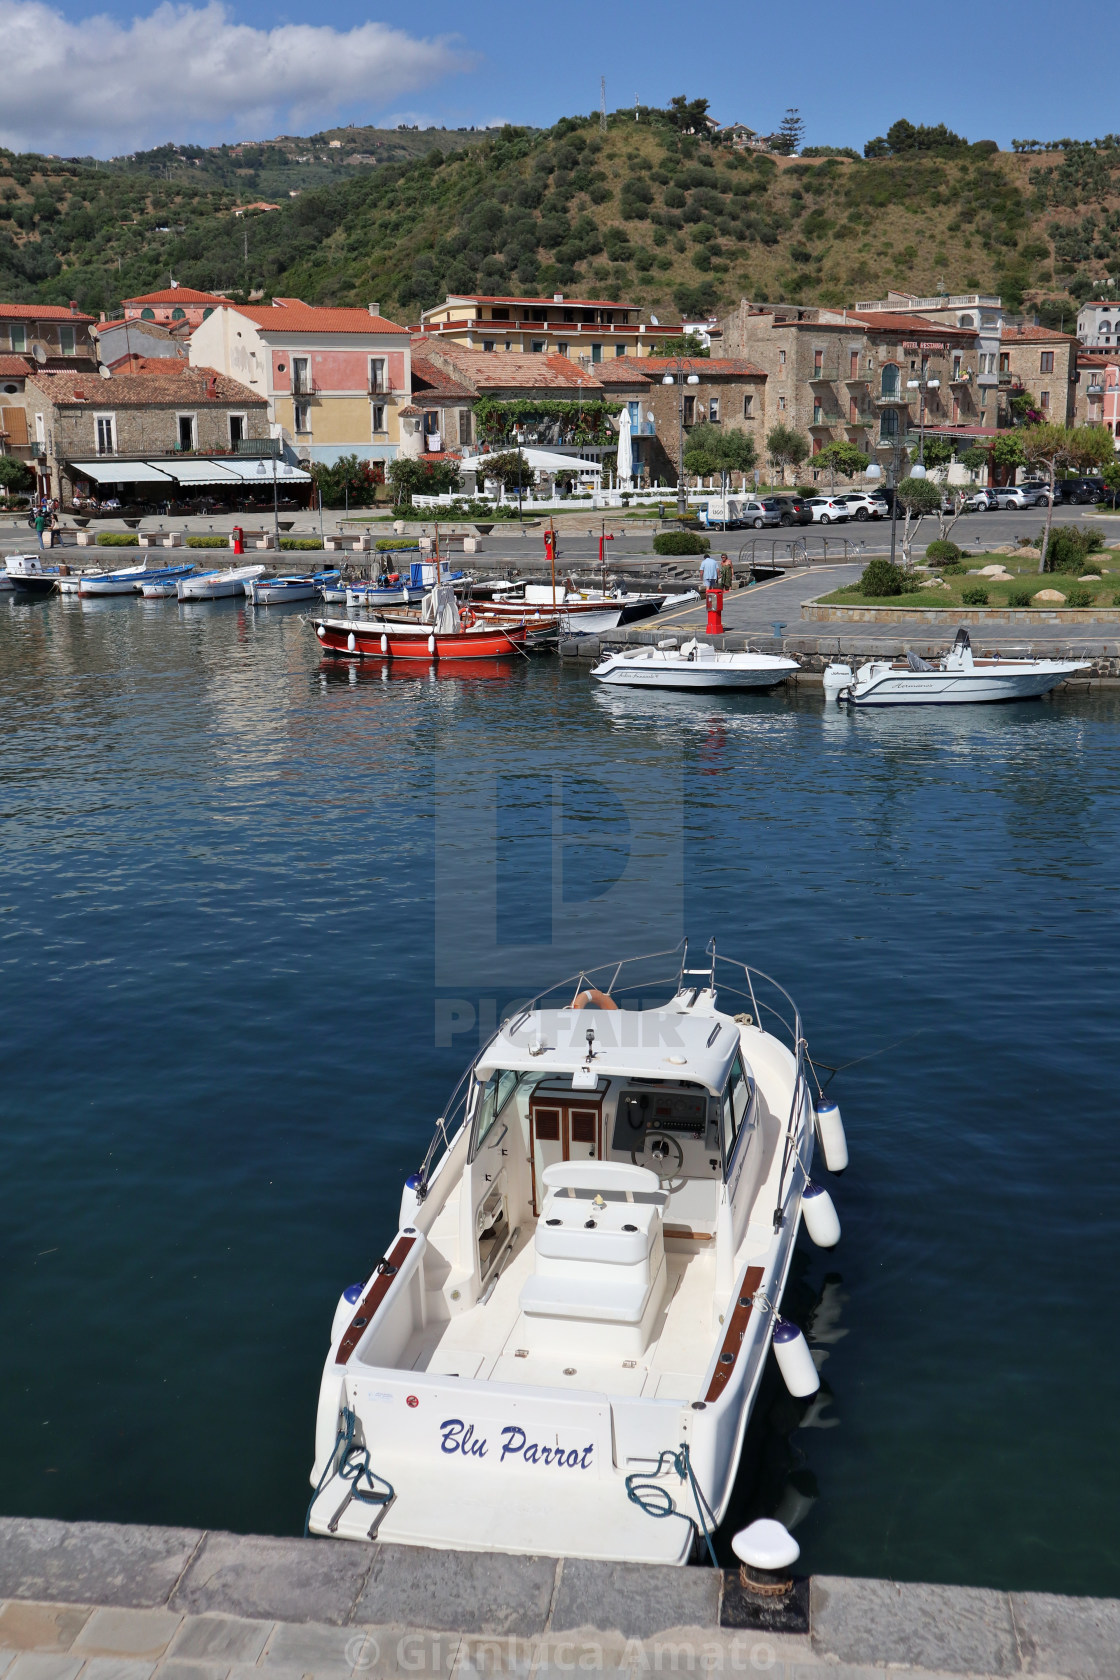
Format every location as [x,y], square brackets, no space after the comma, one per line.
[1089,577]
[1029,551]
[934,583]
[1047,596]
[992,571]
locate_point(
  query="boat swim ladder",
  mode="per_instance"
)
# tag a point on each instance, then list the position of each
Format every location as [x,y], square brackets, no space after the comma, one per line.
[349,1462]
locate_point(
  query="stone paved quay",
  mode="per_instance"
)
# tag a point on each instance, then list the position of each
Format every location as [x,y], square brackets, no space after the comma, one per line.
[97,1601]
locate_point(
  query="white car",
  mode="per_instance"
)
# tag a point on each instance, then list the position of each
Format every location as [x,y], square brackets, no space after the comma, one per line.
[981,501]
[862,506]
[827,510]
[1012,497]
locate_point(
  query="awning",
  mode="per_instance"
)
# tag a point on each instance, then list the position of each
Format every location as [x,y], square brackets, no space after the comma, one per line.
[196,471]
[120,472]
[542,460]
[259,471]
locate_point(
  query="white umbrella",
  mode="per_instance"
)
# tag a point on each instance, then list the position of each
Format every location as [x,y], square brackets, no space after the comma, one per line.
[625,458]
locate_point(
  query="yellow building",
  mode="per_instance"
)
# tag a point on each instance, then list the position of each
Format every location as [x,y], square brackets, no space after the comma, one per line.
[335,379]
[592,329]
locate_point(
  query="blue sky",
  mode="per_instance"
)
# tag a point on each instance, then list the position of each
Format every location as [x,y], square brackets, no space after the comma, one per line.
[110,78]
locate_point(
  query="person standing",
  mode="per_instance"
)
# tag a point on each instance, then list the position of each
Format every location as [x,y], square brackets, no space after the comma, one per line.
[709,572]
[40,523]
[726,573]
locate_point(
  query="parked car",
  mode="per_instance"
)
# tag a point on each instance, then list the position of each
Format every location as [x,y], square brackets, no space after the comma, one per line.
[861,505]
[1035,495]
[827,510]
[981,501]
[755,511]
[1011,496]
[791,509]
[1076,490]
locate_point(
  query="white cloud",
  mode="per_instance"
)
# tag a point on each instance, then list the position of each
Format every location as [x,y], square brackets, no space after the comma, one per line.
[191,73]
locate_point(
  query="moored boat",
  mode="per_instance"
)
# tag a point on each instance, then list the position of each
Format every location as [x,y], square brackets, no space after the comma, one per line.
[214,586]
[441,630]
[584,612]
[564,1340]
[128,581]
[958,678]
[276,591]
[28,575]
[695,665]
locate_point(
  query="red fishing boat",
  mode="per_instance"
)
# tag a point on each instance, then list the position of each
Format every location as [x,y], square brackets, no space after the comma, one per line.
[446,633]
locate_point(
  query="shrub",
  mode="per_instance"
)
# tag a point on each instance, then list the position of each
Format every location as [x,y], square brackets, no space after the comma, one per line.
[207,542]
[940,552]
[388,545]
[1077,597]
[1019,597]
[1069,548]
[880,577]
[300,542]
[975,595]
[118,539]
[953,569]
[680,542]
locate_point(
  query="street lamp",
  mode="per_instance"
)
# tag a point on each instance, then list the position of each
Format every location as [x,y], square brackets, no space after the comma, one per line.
[923,385]
[680,379]
[875,472]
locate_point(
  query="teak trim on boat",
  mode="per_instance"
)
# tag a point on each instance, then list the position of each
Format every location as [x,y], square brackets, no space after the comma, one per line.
[736,1330]
[387,1270]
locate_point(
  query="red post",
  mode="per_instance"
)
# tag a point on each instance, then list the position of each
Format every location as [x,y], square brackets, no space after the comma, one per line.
[604,538]
[715,611]
[238,540]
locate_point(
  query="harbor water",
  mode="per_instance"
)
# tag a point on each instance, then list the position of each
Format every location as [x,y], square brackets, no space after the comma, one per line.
[257,910]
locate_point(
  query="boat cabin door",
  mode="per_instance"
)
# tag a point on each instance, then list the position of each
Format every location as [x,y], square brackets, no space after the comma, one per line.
[561,1129]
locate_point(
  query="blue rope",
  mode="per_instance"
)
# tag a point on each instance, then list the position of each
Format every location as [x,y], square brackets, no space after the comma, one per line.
[654,1498]
[351,1463]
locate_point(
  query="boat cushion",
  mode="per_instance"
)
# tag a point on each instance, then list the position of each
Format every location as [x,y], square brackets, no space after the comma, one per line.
[619,1301]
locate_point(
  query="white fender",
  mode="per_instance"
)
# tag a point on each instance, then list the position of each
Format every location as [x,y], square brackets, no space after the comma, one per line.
[384,644]
[830,1131]
[795,1362]
[819,1213]
[351,642]
[431,644]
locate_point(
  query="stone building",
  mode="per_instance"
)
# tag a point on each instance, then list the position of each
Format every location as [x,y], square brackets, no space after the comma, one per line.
[141,432]
[1043,362]
[730,393]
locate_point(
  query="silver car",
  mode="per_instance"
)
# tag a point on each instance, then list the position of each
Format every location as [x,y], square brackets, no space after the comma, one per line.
[756,513]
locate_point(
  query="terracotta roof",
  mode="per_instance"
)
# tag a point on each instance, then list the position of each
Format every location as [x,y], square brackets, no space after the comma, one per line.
[1100,303]
[726,367]
[139,390]
[623,370]
[175,294]
[485,369]
[292,315]
[1095,358]
[15,367]
[918,326]
[1035,335]
[135,364]
[409,412]
[436,381]
[40,312]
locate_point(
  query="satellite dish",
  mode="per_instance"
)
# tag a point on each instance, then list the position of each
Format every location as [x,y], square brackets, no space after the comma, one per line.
[649,414]
[655,321]
[39,351]
[106,373]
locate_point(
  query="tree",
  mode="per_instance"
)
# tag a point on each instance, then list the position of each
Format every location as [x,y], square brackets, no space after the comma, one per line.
[843,457]
[348,482]
[975,459]
[1007,451]
[1110,472]
[918,497]
[509,469]
[689,116]
[711,449]
[15,475]
[1047,446]
[786,448]
[934,452]
[791,132]
[411,477]
[685,344]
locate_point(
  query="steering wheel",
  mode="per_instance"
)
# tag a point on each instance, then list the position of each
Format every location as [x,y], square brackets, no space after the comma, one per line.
[661,1146]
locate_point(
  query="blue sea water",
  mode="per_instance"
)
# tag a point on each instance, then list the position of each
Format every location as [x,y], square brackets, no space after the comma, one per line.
[256,909]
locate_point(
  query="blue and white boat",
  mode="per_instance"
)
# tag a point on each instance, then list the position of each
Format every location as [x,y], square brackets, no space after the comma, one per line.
[276,591]
[162,583]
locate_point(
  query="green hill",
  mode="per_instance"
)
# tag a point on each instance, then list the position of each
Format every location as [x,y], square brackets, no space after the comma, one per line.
[664,218]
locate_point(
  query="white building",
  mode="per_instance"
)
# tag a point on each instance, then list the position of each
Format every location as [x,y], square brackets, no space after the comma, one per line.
[1098,325]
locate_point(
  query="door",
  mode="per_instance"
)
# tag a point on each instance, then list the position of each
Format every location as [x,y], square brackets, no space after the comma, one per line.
[562,1130]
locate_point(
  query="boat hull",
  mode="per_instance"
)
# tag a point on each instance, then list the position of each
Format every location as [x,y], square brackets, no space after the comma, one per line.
[216,586]
[685,677]
[273,595]
[385,639]
[946,688]
[42,583]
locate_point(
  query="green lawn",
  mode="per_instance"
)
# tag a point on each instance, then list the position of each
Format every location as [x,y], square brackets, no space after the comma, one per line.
[1025,575]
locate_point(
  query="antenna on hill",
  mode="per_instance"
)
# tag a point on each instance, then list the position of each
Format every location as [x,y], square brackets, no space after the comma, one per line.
[602,104]
[635,107]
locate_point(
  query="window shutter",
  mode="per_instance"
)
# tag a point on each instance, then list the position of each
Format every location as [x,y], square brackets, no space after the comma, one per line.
[14,422]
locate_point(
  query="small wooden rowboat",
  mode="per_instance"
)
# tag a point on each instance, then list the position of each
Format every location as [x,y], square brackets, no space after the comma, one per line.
[393,636]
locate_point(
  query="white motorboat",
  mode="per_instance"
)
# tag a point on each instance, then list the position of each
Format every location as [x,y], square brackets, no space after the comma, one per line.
[564,1339]
[695,665]
[129,580]
[576,611]
[277,591]
[27,574]
[214,586]
[959,678]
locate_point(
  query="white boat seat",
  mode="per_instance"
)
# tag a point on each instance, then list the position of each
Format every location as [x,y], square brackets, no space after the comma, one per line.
[621,1302]
[601,1175]
[595,1259]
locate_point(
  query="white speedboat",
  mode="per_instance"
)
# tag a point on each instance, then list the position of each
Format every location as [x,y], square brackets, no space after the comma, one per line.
[276,591]
[27,574]
[564,1339]
[959,678]
[214,586]
[695,665]
[576,611]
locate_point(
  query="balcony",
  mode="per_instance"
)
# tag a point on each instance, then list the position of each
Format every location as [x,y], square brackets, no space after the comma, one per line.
[889,399]
[1094,390]
[305,386]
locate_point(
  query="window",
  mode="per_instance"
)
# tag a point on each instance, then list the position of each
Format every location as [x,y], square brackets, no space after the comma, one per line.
[713,411]
[817,442]
[690,411]
[635,409]
[781,405]
[1004,362]
[620,349]
[106,434]
[377,373]
[888,381]
[301,375]
[537,347]
[488,344]
[178,314]
[817,414]
[781,358]
[495,1095]
[748,408]
[561,349]
[464,425]
[377,418]
[19,338]
[1044,400]
[509,344]
[1106,327]
[735,1108]
[186,431]
[965,321]
[596,352]
[956,367]
[67,341]
[1046,361]
[236,430]
[818,363]
[147,314]
[499,314]
[853,410]
[888,423]
[302,416]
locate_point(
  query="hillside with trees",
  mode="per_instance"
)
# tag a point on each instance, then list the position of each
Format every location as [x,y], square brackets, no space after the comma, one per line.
[655,209]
